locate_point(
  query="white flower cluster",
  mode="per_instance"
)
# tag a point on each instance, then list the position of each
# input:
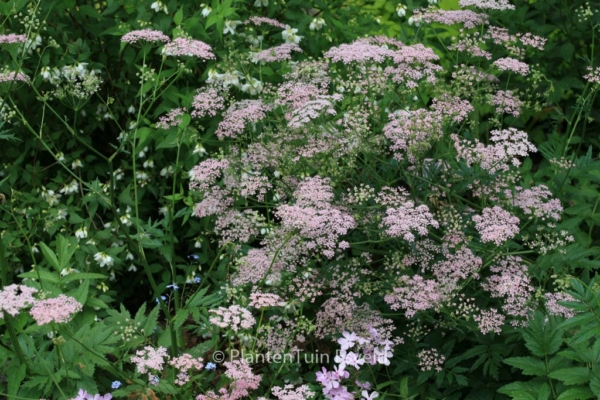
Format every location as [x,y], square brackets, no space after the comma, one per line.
[289,35]
[158,6]
[68,72]
[235,78]
[317,24]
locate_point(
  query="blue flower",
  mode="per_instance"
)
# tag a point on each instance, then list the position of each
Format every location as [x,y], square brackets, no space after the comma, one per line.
[197,279]
[194,256]
[173,286]
[164,298]
[116,385]
[210,366]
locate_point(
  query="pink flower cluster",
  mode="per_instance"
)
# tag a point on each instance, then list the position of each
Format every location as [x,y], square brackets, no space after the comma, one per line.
[188,47]
[203,175]
[532,201]
[243,381]
[312,109]
[412,132]
[468,18]
[315,218]
[487,4]
[511,42]
[288,392]
[8,77]
[496,225]
[15,297]
[554,308]
[264,20]
[452,108]
[12,38]
[360,51]
[171,119]
[593,76]
[509,143]
[262,300]
[234,318]
[431,360]
[277,53]
[416,294]
[216,200]
[150,358]
[240,114]
[512,65]
[60,310]
[489,321]
[506,102]
[511,281]
[402,216]
[145,35]
[207,101]
[412,64]
[184,363]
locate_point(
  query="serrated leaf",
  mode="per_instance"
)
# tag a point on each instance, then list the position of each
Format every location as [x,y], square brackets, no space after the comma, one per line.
[81,293]
[543,336]
[521,390]
[196,299]
[571,376]
[151,321]
[178,17]
[82,276]
[576,393]
[595,382]
[528,365]
[15,377]
[41,274]
[49,256]
[545,392]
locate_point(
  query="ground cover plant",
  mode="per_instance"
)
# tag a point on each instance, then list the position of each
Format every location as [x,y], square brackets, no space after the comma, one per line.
[261,200]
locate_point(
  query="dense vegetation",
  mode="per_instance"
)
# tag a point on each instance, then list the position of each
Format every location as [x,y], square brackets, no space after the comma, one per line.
[301,199]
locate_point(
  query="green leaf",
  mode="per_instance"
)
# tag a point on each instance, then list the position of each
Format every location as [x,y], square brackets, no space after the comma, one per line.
[529,365]
[81,293]
[545,392]
[576,393]
[178,17]
[82,276]
[595,382]
[42,274]
[50,256]
[15,377]
[543,336]
[151,321]
[571,376]
[404,387]
[521,390]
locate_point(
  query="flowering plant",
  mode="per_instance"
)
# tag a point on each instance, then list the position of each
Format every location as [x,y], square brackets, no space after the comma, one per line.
[272,195]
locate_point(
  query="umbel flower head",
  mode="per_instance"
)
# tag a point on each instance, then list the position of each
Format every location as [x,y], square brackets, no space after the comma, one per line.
[188,47]
[145,35]
[59,310]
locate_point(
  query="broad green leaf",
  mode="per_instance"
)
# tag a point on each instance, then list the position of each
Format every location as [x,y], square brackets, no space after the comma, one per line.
[571,376]
[15,377]
[178,17]
[42,274]
[50,256]
[576,393]
[82,276]
[521,390]
[528,365]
